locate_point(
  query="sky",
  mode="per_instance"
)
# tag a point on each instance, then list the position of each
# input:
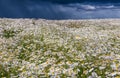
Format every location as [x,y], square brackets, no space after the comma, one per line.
[60,9]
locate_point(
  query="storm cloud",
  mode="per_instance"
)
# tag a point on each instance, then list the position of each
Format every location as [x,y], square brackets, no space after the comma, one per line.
[58,9]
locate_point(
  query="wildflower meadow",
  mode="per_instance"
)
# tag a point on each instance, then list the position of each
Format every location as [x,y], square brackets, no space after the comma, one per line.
[31,48]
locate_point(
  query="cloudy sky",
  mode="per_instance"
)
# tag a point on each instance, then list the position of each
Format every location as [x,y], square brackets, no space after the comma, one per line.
[60,9]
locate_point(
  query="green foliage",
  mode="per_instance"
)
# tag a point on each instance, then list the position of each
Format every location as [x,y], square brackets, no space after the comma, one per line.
[3,72]
[7,73]
[7,33]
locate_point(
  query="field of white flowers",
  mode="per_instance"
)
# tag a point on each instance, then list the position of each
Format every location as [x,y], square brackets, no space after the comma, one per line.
[31,48]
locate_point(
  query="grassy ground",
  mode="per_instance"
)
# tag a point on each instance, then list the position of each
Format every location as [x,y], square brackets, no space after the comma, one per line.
[59,49]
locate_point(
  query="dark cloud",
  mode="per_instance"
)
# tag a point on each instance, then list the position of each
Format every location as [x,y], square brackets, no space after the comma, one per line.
[57,9]
[80,1]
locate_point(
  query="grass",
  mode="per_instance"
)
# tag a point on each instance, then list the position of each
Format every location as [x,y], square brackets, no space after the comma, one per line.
[73,50]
